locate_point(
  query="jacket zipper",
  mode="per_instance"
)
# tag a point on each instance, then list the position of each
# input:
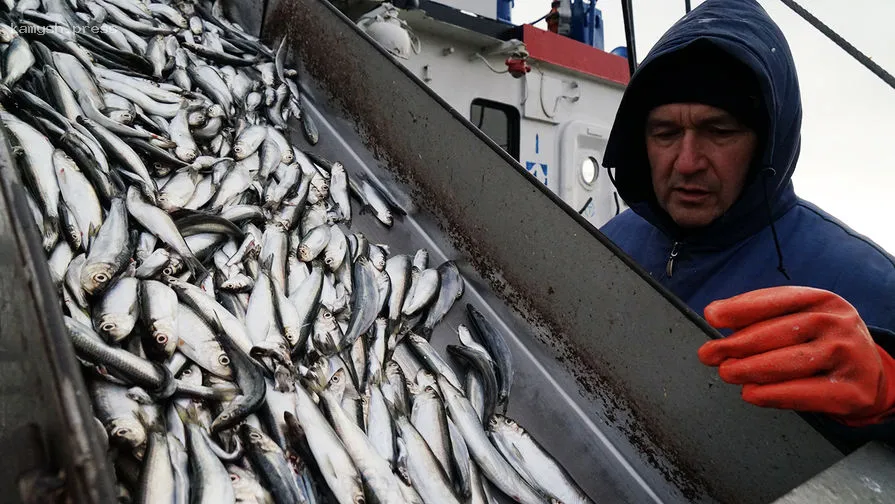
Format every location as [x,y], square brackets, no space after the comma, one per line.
[669,267]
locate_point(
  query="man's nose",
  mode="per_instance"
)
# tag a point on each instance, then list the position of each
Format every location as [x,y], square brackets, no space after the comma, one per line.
[690,158]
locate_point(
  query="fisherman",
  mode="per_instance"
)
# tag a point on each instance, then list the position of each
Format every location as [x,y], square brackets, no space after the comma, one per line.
[553,18]
[704,146]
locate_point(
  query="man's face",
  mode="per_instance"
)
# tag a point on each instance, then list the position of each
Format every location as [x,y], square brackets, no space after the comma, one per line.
[699,157]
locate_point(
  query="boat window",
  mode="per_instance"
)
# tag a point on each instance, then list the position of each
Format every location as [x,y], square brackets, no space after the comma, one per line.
[499,121]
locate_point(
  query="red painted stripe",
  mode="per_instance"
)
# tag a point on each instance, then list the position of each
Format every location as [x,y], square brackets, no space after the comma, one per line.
[565,52]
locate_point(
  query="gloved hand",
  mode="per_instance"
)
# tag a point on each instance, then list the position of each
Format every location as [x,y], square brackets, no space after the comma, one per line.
[803,349]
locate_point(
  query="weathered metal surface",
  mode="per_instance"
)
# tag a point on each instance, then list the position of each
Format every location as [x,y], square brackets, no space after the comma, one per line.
[866,476]
[623,348]
[247,14]
[42,388]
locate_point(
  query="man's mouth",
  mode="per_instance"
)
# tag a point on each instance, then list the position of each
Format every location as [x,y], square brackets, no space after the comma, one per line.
[691,194]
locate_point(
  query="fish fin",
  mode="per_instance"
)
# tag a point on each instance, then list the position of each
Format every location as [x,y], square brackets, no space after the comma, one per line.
[421,330]
[401,461]
[196,268]
[223,394]
[277,352]
[51,233]
[182,213]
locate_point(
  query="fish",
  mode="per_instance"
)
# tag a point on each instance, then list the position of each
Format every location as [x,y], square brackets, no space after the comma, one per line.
[497,347]
[420,464]
[116,313]
[488,458]
[111,250]
[339,471]
[160,224]
[211,483]
[533,462]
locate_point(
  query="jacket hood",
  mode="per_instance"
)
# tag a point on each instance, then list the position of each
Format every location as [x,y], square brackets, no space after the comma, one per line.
[743,30]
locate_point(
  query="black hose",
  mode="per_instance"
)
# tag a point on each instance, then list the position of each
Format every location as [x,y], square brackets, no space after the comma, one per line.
[585,205]
[628,16]
[841,42]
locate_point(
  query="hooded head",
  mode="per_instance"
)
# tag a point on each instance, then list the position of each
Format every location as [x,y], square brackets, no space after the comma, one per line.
[730,55]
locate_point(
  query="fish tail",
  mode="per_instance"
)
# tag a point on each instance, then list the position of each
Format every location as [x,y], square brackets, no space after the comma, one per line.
[51,232]
[196,268]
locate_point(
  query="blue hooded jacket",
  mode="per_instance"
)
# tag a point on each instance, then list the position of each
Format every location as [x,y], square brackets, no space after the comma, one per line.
[737,253]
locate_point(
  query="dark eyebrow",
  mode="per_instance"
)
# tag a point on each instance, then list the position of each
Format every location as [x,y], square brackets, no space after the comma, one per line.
[661,123]
[720,120]
[723,120]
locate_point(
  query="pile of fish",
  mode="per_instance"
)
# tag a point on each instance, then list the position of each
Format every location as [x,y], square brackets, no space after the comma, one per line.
[240,343]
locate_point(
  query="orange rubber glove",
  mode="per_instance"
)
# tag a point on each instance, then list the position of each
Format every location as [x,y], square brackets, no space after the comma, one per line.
[803,349]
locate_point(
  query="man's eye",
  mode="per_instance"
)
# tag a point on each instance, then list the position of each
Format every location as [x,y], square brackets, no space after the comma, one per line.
[724,132]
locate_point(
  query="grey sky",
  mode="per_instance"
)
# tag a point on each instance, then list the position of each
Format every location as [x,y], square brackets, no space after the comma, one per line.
[848,129]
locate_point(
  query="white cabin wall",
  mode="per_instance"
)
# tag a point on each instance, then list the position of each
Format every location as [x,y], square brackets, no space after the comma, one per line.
[445,65]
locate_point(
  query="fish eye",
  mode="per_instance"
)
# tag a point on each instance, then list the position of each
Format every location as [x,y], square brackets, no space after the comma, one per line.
[108,326]
[327,315]
[255,436]
[335,378]
[225,416]
[187,371]
[234,477]
[161,339]
[224,360]
[101,277]
[122,432]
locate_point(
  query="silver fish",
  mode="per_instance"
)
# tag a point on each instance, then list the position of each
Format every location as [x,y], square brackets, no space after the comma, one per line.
[58,261]
[212,482]
[422,293]
[422,467]
[428,416]
[160,224]
[159,312]
[198,342]
[531,461]
[491,462]
[79,196]
[117,412]
[110,251]
[116,314]
[313,243]
[179,129]
[375,471]
[335,463]
[37,167]
[338,187]
[157,476]
[17,60]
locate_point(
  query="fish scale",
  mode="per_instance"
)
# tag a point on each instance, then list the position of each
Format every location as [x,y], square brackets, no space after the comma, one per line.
[208,179]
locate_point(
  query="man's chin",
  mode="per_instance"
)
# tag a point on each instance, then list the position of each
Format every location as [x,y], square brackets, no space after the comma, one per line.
[692,219]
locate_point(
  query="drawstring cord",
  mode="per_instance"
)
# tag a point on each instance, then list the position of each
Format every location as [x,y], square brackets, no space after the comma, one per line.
[768,173]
